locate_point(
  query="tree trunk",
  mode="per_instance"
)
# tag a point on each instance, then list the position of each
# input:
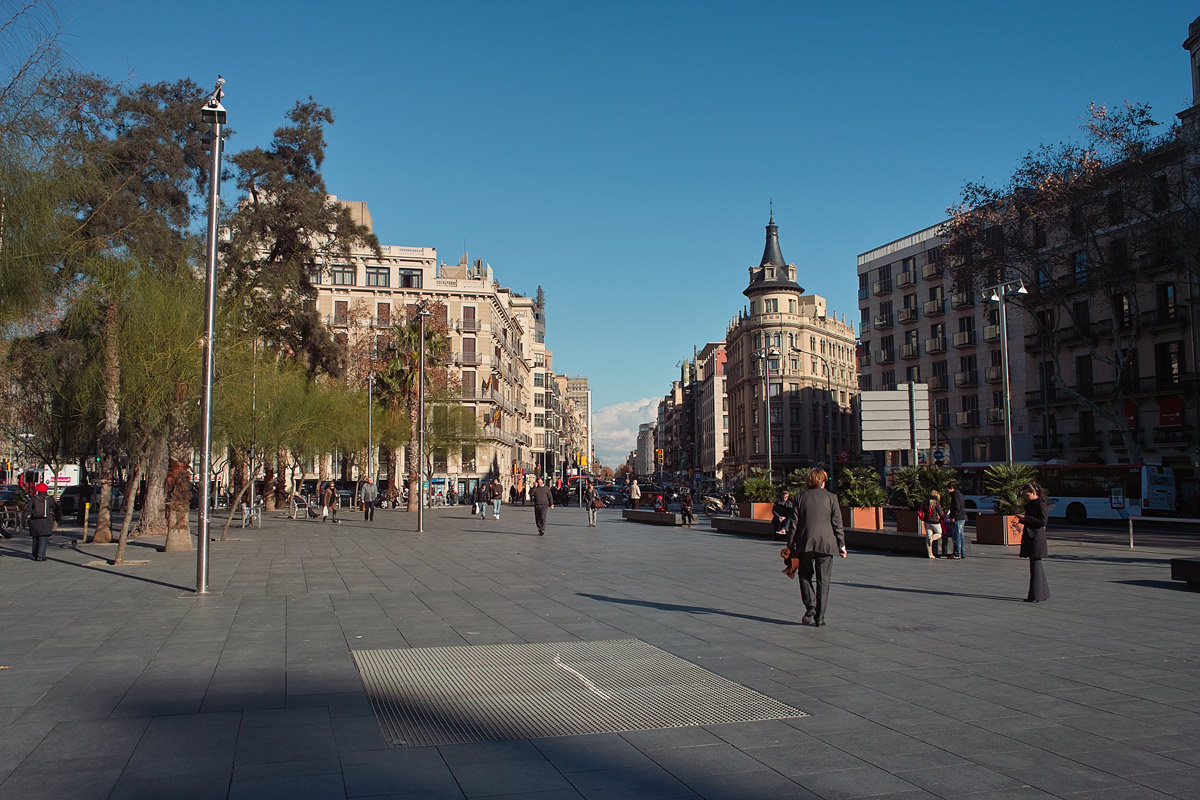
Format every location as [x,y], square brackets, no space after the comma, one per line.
[179,488]
[153,521]
[268,478]
[109,423]
[130,494]
[281,467]
[239,469]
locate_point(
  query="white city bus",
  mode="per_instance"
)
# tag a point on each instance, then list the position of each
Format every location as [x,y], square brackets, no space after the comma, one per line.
[1081,492]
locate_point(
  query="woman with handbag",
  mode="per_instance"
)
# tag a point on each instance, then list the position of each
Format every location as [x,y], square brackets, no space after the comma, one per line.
[931,515]
[1033,541]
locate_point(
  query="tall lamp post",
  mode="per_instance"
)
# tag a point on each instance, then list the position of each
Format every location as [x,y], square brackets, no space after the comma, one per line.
[214,114]
[370,421]
[828,405]
[423,313]
[764,356]
[996,294]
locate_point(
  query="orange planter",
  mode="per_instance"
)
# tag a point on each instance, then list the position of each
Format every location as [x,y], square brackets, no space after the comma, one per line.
[756,510]
[865,519]
[995,529]
[907,521]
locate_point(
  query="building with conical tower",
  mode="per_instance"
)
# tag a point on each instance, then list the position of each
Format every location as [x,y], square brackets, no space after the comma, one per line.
[788,354]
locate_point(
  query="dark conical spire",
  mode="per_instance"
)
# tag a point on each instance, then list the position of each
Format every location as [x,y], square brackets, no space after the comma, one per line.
[771,254]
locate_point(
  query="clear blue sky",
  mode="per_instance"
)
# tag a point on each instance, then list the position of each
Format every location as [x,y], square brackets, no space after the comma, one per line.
[622,154]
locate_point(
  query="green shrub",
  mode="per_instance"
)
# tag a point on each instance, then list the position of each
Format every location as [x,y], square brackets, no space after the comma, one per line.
[759,488]
[1004,482]
[861,487]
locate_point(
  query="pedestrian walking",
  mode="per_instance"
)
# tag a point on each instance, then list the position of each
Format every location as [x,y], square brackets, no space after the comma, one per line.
[956,517]
[369,495]
[783,515]
[329,504]
[497,496]
[1033,541]
[543,500]
[931,514]
[43,512]
[635,494]
[480,497]
[512,495]
[592,501]
[817,537]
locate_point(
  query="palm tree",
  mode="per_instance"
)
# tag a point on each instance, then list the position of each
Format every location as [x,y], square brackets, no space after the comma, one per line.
[398,381]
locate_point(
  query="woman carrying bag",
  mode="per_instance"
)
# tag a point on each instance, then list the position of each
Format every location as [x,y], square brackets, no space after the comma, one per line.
[931,515]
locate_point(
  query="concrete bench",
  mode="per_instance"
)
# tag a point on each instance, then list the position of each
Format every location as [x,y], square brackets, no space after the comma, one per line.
[856,539]
[1186,569]
[652,517]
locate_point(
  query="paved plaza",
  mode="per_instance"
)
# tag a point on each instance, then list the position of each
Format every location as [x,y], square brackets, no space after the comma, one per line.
[932,678]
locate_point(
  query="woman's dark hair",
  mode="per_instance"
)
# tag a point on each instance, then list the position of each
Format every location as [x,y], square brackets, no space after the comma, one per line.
[1032,487]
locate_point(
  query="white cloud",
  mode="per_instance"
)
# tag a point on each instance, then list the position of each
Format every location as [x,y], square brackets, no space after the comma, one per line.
[615,427]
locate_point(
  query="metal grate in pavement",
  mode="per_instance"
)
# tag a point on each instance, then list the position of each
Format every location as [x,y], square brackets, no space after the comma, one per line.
[482,693]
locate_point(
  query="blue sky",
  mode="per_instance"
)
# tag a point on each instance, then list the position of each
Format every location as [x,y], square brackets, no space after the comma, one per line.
[622,154]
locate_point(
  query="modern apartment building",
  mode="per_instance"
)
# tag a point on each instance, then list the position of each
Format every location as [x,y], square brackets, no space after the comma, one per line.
[786,351]
[915,326]
[712,411]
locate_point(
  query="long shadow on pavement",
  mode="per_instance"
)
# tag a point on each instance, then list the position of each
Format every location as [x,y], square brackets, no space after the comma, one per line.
[685,609]
[929,591]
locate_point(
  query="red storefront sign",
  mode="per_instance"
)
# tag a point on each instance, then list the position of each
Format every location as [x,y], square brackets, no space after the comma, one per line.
[1170,411]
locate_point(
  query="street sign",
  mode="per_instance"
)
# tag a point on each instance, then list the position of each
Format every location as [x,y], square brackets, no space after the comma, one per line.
[889,418]
[1116,498]
[939,455]
[844,456]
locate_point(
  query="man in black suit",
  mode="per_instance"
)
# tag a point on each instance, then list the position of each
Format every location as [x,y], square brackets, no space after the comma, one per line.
[543,501]
[817,537]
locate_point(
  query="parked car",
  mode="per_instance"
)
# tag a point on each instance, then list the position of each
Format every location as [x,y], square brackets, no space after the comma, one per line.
[72,498]
[610,494]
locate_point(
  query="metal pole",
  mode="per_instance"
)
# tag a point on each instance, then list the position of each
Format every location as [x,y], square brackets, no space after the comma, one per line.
[370,420]
[767,397]
[912,423]
[216,120]
[1008,449]
[253,416]
[829,416]
[422,312]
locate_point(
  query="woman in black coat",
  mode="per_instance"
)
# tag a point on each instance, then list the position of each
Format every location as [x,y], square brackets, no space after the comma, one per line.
[1033,541]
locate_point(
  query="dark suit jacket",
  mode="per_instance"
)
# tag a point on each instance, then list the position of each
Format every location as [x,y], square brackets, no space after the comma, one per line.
[818,524]
[542,496]
[1033,538]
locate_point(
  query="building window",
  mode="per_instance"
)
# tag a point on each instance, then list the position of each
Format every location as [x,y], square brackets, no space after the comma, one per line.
[539,420]
[539,359]
[771,306]
[725,421]
[539,379]
[344,275]
[755,450]
[378,276]
[409,278]
[383,315]
[341,312]
[539,399]
[1168,363]
[1079,267]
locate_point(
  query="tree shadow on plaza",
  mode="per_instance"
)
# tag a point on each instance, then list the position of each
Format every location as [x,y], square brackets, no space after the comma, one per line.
[1110,559]
[684,609]
[938,592]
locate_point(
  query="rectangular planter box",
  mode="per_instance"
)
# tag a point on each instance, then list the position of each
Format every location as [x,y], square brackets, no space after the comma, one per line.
[866,519]
[907,521]
[755,510]
[995,529]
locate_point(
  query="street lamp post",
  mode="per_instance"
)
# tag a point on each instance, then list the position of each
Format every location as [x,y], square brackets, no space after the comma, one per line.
[423,313]
[765,355]
[828,405]
[996,294]
[370,421]
[214,114]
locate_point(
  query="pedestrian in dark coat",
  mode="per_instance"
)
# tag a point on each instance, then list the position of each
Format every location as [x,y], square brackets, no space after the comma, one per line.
[686,508]
[1033,540]
[43,511]
[543,500]
[817,537]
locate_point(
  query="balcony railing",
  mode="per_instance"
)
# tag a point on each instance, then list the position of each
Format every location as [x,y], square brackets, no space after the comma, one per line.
[933,270]
[1164,317]
[938,383]
[1041,397]
[964,338]
[1083,439]
[962,299]
[910,350]
[968,378]
[885,356]
[993,373]
[935,345]
[996,415]
[942,419]
[864,326]
[966,419]
[933,308]
[469,324]
[468,359]
[1048,444]
[863,292]
[1170,436]
[883,321]
[906,315]
[906,278]
[882,287]
[991,333]
[1116,440]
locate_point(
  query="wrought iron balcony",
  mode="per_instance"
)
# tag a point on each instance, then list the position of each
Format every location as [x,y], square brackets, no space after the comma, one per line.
[934,270]
[962,299]
[967,378]
[993,374]
[933,308]
[996,415]
[906,278]
[967,419]
[906,315]
[883,321]
[882,287]
[910,350]
[935,345]
[938,383]
[964,338]
[885,356]
[991,333]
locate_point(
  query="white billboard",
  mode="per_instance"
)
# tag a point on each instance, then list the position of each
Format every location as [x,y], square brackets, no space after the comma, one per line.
[888,418]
